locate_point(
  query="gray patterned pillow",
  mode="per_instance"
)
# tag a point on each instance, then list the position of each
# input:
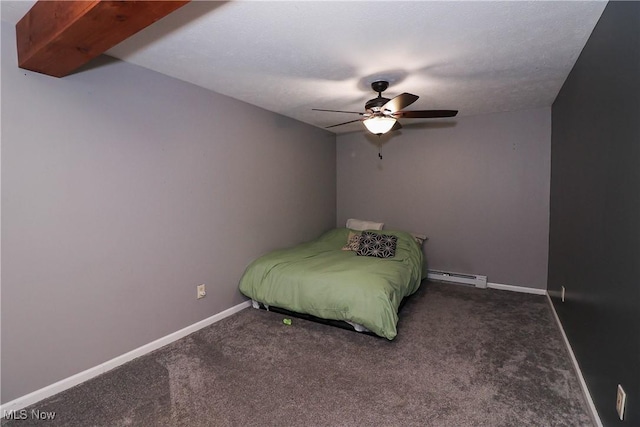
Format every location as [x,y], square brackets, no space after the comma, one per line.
[353,242]
[377,245]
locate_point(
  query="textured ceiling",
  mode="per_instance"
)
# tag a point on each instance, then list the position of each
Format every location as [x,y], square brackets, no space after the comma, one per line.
[477,57]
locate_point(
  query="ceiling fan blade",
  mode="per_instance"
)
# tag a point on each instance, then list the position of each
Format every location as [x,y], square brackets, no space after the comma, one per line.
[345,123]
[426,114]
[399,102]
[338,111]
[396,126]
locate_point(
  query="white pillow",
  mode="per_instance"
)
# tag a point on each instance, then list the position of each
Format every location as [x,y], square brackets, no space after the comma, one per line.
[419,238]
[361,225]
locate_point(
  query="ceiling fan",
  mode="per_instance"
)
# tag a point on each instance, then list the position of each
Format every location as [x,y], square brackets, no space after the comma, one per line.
[382,114]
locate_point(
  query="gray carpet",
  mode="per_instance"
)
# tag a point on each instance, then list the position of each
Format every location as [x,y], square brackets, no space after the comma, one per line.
[463,357]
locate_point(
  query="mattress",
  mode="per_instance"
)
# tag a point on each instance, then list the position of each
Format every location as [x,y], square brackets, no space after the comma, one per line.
[320,279]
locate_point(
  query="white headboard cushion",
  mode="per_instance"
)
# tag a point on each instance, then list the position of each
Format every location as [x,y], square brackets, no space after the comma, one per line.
[360,225]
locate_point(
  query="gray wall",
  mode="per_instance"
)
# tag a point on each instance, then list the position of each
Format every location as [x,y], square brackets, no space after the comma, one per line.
[122,189]
[595,210]
[479,189]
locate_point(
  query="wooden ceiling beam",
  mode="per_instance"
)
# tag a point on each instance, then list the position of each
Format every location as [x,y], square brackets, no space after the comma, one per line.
[57,37]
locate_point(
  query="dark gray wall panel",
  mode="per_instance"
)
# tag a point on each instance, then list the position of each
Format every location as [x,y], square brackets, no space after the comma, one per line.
[594,248]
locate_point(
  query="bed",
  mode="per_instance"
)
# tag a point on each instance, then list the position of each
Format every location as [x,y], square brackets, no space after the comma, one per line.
[320,279]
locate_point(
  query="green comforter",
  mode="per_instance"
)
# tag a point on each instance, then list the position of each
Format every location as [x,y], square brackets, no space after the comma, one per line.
[318,278]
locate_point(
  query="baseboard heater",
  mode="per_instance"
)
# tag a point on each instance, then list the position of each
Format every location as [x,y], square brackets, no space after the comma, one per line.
[467,279]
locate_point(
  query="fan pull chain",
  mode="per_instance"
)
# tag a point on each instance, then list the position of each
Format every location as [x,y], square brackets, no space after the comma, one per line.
[379,153]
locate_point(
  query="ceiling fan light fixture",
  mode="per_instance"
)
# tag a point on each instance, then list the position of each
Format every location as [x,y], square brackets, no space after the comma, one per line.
[379,125]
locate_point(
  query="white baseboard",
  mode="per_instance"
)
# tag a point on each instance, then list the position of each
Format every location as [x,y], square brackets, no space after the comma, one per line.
[67,383]
[583,384]
[513,288]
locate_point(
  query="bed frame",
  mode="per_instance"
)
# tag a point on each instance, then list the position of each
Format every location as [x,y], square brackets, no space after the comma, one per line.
[336,323]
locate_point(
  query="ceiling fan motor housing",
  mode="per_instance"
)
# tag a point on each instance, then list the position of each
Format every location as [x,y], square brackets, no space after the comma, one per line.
[375,103]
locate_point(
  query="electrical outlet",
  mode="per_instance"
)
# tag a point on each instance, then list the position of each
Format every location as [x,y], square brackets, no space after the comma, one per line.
[621,402]
[201,291]
[562,293]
